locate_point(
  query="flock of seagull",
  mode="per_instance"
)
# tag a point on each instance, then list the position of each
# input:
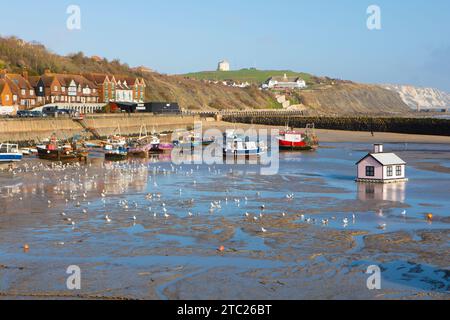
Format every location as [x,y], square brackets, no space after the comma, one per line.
[76,184]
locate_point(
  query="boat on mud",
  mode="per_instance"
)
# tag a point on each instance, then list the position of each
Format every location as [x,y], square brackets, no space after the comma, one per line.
[116,154]
[237,146]
[291,140]
[10,153]
[52,151]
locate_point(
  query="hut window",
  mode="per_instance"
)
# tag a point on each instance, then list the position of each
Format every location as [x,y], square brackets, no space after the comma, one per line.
[370,171]
[390,171]
[398,170]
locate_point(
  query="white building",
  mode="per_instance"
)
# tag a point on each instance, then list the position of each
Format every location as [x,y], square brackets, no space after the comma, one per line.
[224,65]
[124,93]
[381,167]
[284,82]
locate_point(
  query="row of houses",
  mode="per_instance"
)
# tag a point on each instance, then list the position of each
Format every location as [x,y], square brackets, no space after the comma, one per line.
[26,92]
[284,83]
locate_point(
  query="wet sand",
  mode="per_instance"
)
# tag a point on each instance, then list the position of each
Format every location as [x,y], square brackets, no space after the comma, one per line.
[177,257]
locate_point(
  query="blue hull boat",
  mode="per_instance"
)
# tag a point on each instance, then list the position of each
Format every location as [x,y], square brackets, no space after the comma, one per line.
[10,153]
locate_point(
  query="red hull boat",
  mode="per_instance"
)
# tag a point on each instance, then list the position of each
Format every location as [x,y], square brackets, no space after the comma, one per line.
[296,140]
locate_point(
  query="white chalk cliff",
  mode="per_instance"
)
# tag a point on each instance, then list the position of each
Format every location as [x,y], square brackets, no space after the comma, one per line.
[423,98]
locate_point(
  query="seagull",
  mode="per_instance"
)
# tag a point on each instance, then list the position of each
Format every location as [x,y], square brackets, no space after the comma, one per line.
[107,218]
[247,214]
[84,211]
[345,221]
[63,214]
[263,207]
[134,218]
[263,230]
[382,226]
[190,214]
[166,215]
[404,213]
[284,214]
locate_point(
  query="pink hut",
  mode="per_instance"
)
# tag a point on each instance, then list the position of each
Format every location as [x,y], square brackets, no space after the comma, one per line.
[381,167]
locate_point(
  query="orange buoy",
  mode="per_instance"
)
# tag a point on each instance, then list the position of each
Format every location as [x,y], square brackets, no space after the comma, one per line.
[221,248]
[429,216]
[26,247]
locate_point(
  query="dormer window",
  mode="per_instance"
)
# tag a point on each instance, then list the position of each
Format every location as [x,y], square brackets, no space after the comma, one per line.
[23,92]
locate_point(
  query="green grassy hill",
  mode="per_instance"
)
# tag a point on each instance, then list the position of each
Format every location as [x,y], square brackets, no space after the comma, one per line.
[253,76]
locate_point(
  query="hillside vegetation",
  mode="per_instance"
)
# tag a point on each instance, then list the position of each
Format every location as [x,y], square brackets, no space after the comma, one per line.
[252,76]
[325,96]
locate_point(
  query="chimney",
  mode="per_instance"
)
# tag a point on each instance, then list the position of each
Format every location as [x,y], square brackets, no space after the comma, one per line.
[378,148]
[47,71]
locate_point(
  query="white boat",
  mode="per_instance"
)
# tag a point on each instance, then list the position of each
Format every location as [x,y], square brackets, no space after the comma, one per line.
[10,153]
[237,146]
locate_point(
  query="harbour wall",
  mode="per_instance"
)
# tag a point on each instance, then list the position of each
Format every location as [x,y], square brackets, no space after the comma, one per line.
[33,130]
[424,126]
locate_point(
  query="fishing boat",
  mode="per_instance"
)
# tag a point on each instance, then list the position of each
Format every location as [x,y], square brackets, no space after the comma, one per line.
[55,152]
[297,140]
[116,154]
[238,146]
[10,153]
[142,146]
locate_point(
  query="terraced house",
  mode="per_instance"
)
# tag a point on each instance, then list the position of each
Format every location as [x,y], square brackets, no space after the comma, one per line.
[65,88]
[117,88]
[5,94]
[23,94]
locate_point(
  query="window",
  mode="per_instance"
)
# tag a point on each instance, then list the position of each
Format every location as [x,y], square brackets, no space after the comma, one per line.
[390,171]
[41,89]
[7,97]
[63,89]
[398,171]
[23,92]
[370,171]
[55,88]
[31,92]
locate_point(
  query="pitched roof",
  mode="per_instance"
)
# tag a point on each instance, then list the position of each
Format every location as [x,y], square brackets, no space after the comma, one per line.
[385,159]
[19,81]
[96,78]
[47,79]
[33,80]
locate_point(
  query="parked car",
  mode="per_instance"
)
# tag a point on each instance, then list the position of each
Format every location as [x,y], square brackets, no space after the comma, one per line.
[55,111]
[37,114]
[24,114]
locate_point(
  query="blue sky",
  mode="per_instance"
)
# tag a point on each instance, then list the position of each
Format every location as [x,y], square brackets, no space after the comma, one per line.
[324,37]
